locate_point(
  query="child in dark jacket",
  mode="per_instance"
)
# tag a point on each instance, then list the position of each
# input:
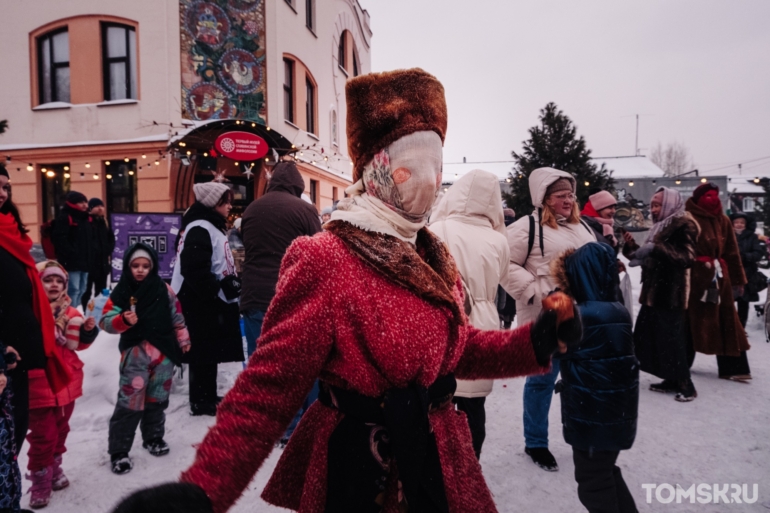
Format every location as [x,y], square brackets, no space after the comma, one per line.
[600,379]
[153,336]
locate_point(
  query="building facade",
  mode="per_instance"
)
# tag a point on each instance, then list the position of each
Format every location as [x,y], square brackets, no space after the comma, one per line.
[120,100]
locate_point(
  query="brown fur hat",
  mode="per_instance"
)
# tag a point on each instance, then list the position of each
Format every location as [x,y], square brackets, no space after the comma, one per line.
[384,107]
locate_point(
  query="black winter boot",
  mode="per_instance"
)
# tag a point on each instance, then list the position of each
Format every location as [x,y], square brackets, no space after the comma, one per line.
[121,463]
[665,387]
[543,458]
[156,447]
[687,392]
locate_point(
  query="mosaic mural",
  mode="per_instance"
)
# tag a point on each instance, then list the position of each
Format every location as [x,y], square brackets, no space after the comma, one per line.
[223,59]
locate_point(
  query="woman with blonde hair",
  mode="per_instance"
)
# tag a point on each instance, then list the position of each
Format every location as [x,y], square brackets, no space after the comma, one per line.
[553,228]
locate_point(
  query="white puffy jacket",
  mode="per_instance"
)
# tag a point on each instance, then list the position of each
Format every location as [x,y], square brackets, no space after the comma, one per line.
[528,283]
[469,219]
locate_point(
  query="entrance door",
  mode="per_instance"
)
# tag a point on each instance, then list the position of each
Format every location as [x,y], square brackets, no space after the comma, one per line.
[121,186]
[55,183]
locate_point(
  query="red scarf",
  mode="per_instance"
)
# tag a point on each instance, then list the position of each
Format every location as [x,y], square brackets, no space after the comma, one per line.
[18,245]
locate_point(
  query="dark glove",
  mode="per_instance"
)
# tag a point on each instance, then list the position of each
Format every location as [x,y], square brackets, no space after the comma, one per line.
[570,332]
[546,334]
[544,337]
[231,286]
[167,498]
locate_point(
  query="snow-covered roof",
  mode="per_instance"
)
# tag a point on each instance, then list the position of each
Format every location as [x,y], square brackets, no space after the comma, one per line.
[630,167]
[743,184]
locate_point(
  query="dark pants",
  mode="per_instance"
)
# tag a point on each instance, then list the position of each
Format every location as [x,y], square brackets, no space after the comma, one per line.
[733,365]
[473,407]
[20,404]
[203,383]
[743,311]
[152,420]
[98,279]
[252,324]
[601,488]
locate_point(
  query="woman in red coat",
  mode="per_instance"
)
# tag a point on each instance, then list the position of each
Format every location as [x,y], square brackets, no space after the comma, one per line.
[369,307]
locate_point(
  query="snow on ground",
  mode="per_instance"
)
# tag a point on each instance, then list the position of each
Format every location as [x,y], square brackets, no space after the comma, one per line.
[721,437]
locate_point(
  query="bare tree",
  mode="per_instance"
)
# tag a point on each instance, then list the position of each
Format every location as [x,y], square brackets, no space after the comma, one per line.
[674,159]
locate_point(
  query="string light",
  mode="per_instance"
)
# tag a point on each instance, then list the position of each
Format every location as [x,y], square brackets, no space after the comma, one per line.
[30,167]
[756,179]
[109,176]
[205,154]
[144,156]
[253,125]
[50,174]
[268,129]
[88,165]
[66,175]
[106,162]
[182,144]
[96,176]
[678,182]
[157,162]
[586,183]
[66,168]
[43,170]
[631,183]
[130,173]
[125,159]
[703,180]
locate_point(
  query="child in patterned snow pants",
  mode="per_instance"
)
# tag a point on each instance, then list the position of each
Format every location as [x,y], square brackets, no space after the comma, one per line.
[10,476]
[145,382]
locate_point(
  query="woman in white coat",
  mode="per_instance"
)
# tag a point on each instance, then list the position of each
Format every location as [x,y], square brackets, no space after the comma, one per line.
[554,227]
[469,219]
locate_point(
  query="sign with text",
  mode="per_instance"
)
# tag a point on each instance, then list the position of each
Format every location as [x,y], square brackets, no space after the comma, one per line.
[158,231]
[241,146]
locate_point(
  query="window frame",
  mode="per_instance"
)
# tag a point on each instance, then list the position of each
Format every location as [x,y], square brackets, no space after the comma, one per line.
[54,66]
[128,64]
[749,201]
[288,89]
[310,15]
[310,105]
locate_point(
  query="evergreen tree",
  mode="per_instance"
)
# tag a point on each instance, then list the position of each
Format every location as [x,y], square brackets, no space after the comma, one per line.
[554,143]
[763,207]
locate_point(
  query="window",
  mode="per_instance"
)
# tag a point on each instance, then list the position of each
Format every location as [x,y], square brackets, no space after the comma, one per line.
[342,52]
[310,14]
[356,71]
[53,60]
[749,205]
[310,106]
[55,186]
[288,90]
[335,194]
[314,191]
[121,186]
[119,61]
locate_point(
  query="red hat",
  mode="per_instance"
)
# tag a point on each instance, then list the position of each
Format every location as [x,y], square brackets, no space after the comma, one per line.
[702,189]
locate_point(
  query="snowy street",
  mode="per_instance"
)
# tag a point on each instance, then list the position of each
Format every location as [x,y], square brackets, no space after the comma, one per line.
[721,437]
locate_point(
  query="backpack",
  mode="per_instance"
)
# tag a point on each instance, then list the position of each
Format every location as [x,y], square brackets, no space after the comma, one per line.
[531,241]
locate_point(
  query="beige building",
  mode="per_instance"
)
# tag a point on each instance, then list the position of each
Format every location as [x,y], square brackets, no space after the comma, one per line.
[126,101]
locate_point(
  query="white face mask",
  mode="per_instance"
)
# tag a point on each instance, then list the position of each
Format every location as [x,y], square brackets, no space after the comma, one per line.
[406,175]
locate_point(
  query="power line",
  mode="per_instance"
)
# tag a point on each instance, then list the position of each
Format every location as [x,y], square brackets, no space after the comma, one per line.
[735,164]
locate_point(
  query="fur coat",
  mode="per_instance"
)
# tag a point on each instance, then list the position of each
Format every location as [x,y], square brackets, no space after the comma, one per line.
[367,313]
[715,327]
[666,270]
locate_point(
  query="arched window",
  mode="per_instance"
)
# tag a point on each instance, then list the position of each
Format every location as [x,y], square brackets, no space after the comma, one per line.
[299,93]
[342,53]
[53,62]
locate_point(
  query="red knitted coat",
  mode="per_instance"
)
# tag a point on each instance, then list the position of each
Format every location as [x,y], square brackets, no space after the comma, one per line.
[336,318]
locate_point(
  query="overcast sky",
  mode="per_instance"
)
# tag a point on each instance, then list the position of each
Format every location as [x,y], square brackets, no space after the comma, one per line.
[697,72]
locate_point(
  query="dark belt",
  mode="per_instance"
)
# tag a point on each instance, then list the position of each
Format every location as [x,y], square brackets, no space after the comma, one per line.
[403,412]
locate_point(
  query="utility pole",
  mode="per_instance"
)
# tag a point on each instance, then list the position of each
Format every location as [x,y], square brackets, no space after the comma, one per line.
[636,146]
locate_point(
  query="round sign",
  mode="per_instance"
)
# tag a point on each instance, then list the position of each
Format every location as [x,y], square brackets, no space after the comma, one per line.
[241,146]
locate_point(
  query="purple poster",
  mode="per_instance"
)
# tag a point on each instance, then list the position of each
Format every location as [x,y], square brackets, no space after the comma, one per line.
[156,230]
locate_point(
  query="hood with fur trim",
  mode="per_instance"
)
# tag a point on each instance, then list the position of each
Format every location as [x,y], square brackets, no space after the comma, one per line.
[589,273]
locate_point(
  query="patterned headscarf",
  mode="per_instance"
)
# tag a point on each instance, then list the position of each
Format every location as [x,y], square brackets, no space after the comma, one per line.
[673,207]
